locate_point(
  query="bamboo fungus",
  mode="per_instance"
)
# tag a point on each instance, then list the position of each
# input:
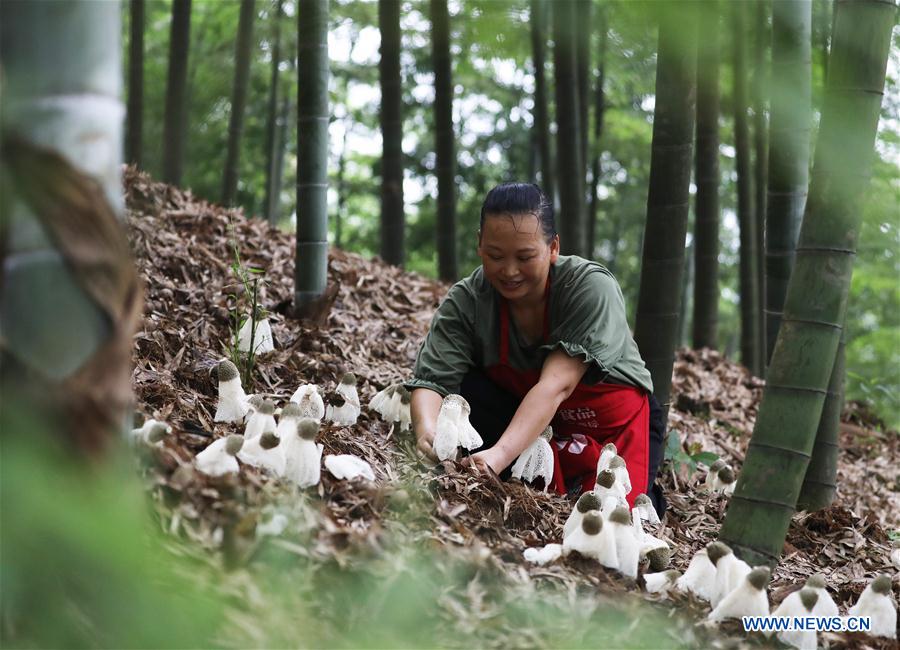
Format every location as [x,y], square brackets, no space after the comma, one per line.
[805,350]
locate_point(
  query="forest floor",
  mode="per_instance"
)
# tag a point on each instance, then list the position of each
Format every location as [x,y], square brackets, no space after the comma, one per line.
[431,556]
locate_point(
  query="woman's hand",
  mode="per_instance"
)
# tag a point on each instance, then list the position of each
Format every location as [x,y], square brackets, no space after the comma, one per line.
[424,408]
[425,445]
[488,461]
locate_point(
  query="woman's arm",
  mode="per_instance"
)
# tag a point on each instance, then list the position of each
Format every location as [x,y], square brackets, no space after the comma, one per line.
[425,405]
[559,377]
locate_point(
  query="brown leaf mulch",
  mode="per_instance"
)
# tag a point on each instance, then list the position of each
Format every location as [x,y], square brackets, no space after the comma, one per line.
[184,248]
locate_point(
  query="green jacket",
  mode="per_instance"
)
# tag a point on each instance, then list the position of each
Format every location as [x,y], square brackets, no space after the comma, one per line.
[587,319]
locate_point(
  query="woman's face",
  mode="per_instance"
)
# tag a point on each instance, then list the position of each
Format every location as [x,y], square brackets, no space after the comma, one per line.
[515,255]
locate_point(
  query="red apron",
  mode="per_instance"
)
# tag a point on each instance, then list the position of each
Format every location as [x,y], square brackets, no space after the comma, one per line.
[588,419]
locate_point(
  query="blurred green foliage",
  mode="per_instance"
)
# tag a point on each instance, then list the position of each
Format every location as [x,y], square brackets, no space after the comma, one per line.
[493,76]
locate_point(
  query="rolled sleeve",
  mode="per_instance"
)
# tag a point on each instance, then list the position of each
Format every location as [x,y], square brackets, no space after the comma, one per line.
[447,353]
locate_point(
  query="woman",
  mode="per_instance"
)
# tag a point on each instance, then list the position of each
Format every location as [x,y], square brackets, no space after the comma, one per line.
[533,338]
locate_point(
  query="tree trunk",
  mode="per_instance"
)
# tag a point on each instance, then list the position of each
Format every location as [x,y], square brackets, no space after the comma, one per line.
[445,166]
[541,119]
[599,108]
[749,284]
[788,151]
[270,203]
[135,114]
[820,482]
[571,221]
[311,269]
[175,120]
[238,101]
[662,263]
[583,60]
[803,361]
[65,252]
[760,166]
[706,175]
[393,219]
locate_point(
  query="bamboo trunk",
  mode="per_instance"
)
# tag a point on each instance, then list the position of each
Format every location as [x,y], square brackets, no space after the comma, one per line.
[662,263]
[803,360]
[788,151]
[760,168]
[444,142]
[393,219]
[270,204]
[135,112]
[571,222]
[541,119]
[599,109]
[175,119]
[238,101]
[749,278]
[706,176]
[311,265]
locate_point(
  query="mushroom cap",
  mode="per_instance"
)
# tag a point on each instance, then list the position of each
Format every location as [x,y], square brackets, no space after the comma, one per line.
[809,598]
[269,440]
[609,446]
[882,584]
[616,462]
[816,581]
[717,465]
[642,500]
[267,407]
[157,432]
[349,378]
[759,577]
[659,557]
[226,370]
[587,502]
[620,516]
[726,475]
[291,410]
[256,401]
[405,397]
[606,478]
[307,429]
[592,523]
[717,550]
[672,575]
[233,444]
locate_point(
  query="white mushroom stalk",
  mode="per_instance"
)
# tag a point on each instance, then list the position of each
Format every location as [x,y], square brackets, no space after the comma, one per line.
[218,458]
[543,555]
[536,461]
[288,420]
[699,578]
[232,404]
[593,539]
[712,474]
[749,598]
[825,605]
[608,452]
[453,428]
[617,466]
[877,602]
[302,455]
[798,604]
[151,432]
[661,582]
[469,438]
[309,400]
[392,404]
[644,506]
[344,409]
[730,571]
[627,549]
[895,554]
[253,404]
[262,337]
[608,487]
[262,419]
[586,503]
[724,481]
[348,467]
[264,452]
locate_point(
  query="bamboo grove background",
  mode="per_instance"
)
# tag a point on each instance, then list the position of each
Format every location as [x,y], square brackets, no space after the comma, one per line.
[491,86]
